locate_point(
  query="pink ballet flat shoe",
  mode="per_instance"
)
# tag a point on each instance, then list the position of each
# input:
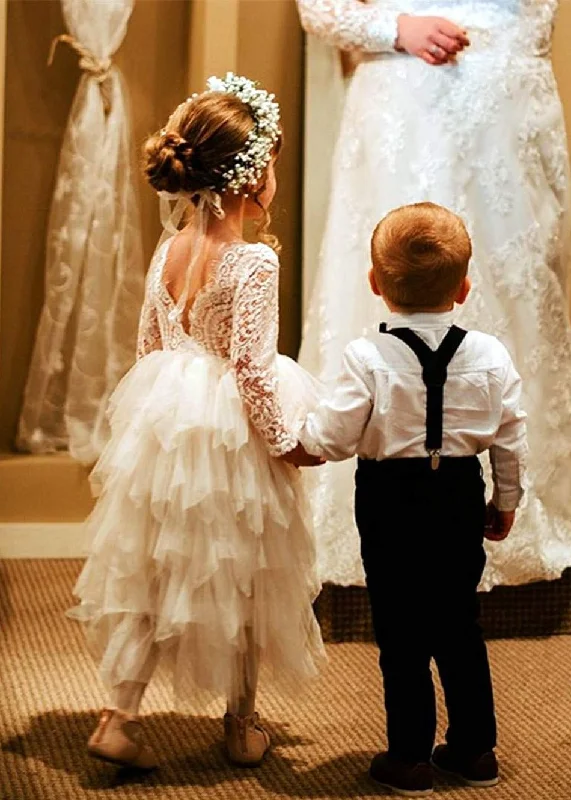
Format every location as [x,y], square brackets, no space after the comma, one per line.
[118,739]
[247,742]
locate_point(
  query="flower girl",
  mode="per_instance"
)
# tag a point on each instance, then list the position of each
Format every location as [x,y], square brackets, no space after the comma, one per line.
[200,549]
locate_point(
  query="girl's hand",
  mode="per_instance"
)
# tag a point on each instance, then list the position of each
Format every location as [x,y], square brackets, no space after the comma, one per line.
[299,457]
[498,523]
[434,39]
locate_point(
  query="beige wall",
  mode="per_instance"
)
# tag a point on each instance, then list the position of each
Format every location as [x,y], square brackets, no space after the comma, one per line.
[154,59]
[278,65]
[562,57]
[260,38]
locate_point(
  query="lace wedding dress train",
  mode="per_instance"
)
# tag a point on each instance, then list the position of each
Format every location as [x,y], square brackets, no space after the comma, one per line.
[485,137]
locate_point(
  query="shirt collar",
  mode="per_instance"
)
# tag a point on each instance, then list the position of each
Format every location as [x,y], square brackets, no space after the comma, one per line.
[423,320]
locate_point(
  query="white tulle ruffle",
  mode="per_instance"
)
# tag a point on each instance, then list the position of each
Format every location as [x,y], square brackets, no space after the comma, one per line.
[199,539]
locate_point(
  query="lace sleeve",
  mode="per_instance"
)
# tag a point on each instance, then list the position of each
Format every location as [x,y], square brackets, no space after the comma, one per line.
[254,349]
[351,24]
[149,337]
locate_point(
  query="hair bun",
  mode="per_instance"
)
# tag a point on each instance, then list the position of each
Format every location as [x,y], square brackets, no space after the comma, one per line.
[176,141]
[167,157]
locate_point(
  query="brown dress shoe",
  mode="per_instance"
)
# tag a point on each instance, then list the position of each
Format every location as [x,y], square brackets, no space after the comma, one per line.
[480,772]
[408,780]
[247,742]
[118,739]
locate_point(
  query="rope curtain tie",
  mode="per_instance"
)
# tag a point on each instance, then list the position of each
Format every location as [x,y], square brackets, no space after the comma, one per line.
[99,69]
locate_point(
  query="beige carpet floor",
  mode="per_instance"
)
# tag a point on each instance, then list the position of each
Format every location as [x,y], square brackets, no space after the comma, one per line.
[49,693]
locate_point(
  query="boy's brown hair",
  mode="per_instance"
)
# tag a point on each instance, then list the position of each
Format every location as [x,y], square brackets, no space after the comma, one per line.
[420,256]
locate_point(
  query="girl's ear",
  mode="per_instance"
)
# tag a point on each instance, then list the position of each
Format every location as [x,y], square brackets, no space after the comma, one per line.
[373,283]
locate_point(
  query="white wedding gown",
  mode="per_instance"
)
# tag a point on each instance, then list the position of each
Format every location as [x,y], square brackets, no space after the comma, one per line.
[485,137]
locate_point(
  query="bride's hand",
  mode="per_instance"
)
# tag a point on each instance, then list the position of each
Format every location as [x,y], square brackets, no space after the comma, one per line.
[299,457]
[434,39]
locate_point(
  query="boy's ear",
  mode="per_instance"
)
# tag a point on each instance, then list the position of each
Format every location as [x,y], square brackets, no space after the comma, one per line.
[463,291]
[373,283]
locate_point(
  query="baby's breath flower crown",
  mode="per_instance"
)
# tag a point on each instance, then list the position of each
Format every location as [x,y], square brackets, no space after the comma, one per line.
[249,164]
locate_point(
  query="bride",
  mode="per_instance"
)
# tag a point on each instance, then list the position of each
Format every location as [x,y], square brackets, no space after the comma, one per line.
[455,102]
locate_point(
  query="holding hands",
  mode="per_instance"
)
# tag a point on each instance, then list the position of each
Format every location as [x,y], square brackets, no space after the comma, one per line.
[498,523]
[299,457]
[433,39]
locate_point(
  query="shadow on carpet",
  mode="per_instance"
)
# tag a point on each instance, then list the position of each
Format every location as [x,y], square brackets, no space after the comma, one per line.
[191,755]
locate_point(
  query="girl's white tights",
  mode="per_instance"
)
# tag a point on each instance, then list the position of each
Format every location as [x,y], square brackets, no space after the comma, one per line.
[138,657]
[127,696]
[243,703]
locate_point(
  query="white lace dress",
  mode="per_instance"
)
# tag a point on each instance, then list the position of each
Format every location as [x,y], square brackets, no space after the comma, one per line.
[485,137]
[200,537]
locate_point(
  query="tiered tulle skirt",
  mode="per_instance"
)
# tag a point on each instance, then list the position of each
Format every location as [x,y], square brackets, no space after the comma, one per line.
[200,545]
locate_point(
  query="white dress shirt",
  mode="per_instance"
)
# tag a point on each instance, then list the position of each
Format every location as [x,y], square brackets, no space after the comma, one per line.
[377,409]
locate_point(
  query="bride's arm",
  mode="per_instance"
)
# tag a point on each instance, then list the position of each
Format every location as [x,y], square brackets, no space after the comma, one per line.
[379,27]
[351,24]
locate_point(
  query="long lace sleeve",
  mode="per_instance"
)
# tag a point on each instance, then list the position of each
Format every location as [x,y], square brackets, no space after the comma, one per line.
[149,337]
[351,24]
[254,348]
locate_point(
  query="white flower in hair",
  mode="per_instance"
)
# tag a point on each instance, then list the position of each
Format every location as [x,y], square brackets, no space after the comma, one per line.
[250,163]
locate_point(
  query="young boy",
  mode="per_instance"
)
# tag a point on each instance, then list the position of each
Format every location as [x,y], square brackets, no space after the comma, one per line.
[417,403]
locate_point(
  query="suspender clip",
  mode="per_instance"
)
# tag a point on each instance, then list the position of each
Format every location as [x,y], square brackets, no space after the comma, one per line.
[434,458]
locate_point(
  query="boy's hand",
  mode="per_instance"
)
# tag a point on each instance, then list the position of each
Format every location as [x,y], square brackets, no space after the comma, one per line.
[498,523]
[433,39]
[299,457]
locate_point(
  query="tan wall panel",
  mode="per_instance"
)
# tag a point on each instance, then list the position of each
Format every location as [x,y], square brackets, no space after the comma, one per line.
[213,40]
[37,103]
[270,49]
[3,25]
[154,59]
[562,57]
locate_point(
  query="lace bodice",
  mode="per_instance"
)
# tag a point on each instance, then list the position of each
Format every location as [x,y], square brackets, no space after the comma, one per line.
[524,26]
[235,317]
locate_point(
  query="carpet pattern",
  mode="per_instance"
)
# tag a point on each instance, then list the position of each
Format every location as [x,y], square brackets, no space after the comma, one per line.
[322,743]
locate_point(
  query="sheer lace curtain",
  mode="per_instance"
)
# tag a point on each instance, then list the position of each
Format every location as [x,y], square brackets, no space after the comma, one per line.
[94,275]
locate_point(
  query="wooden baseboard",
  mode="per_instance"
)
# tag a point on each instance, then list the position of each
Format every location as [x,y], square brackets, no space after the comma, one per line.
[41,540]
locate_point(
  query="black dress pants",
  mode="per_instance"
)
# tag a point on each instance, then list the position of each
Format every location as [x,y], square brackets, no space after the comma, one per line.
[422,547]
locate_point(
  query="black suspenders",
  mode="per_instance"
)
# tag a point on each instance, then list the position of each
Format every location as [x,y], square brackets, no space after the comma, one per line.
[434,373]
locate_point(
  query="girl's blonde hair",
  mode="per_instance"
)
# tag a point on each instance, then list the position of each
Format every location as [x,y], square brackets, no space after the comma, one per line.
[201,138]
